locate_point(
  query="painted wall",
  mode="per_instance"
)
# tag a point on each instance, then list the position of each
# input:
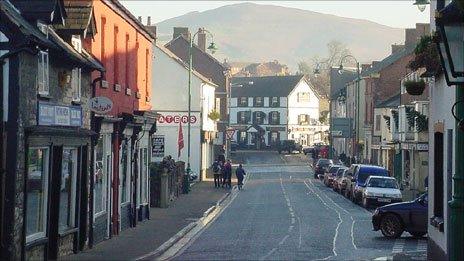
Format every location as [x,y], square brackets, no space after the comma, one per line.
[296,107]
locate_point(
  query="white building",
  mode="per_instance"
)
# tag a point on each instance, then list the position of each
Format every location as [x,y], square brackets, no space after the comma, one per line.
[170,83]
[264,110]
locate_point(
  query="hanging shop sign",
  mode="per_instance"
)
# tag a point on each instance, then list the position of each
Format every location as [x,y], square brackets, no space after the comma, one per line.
[59,115]
[100,105]
[158,146]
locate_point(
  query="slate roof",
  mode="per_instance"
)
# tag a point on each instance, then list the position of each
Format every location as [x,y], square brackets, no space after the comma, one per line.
[267,86]
[41,9]
[391,102]
[79,16]
[387,61]
[338,81]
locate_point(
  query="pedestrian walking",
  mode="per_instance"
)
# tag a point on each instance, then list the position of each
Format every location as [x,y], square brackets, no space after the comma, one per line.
[216,172]
[227,175]
[240,173]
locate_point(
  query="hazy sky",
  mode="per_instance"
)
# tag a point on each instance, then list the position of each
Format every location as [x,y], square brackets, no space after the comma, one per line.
[400,13]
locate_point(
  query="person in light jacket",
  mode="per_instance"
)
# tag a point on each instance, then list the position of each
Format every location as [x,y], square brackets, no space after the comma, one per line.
[240,173]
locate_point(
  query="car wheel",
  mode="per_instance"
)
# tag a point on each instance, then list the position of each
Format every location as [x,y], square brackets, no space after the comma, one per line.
[365,203]
[391,226]
[418,234]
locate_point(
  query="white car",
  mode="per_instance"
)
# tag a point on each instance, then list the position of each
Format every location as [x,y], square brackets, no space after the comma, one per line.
[381,191]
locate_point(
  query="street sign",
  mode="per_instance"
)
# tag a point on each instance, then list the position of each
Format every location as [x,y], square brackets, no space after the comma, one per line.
[230,133]
[158,146]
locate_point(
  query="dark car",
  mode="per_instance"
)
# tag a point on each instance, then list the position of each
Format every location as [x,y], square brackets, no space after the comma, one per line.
[233,146]
[394,219]
[360,176]
[289,145]
[330,175]
[308,150]
[321,166]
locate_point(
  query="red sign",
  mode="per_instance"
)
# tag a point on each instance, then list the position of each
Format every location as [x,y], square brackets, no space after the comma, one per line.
[176,119]
[230,133]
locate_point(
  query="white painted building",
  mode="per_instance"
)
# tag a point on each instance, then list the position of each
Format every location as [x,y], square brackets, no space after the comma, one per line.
[264,110]
[170,83]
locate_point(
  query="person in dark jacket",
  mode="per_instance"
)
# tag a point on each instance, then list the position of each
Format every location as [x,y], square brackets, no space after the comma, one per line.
[240,173]
[216,172]
[227,175]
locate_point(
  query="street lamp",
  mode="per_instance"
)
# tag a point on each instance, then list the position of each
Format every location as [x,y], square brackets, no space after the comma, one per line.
[450,41]
[212,47]
[421,4]
[358,78]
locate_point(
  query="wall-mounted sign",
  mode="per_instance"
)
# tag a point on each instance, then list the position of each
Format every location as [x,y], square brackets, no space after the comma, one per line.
[59,115]
[175,119]
[158,146]
[100,105]
[342,127]
[422,146]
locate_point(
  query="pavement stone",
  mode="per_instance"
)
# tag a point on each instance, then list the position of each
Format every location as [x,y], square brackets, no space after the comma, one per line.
[163,224]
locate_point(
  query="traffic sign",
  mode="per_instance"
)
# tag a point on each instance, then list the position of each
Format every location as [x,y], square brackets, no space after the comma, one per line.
[230,133]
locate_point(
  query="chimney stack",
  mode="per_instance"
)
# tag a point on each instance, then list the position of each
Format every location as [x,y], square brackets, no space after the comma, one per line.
[149,20]
[410,37]
[396,48]
[184,31]
[202,39]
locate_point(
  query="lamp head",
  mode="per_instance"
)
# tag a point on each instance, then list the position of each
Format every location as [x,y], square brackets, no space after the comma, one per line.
[421,4]
[317,72]
[340,69]
[212,47]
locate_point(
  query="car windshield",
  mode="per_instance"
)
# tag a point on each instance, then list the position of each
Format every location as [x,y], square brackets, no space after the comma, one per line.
[382,183]
[324,162]
[334,170]
[364,174]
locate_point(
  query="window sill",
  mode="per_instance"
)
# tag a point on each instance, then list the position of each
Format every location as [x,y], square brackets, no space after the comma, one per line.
[438,222]
[44,96]
[68,231]
[36,242]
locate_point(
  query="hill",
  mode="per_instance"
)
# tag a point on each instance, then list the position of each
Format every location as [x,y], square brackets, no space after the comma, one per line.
[256,32]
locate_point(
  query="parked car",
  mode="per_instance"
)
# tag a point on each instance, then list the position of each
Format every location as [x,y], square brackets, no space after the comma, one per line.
[321,166]
[289,145]
[308,150]
[339,183]
[361,174]
[381,191]
[331,174]
[393,219]
[233,146]
[350,181]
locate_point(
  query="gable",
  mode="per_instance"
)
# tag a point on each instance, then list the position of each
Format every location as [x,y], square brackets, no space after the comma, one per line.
[267,86]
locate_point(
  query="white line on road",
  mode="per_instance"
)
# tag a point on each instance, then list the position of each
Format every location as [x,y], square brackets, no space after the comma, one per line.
[283,240]
[290,229]
[398,246]
[293,220]
[422,245]
[299,228]
[268,254]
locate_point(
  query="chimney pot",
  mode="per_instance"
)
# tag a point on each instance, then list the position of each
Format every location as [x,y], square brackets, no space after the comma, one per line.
[202,39]
[149,20]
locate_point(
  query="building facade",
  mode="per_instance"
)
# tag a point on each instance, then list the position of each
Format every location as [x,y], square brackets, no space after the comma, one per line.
[48,128]
[265,110]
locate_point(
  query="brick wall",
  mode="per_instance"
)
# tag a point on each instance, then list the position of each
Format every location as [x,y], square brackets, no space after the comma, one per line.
[100,228]
[125,215]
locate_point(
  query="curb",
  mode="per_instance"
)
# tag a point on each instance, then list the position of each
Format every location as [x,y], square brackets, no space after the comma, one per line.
[182,233]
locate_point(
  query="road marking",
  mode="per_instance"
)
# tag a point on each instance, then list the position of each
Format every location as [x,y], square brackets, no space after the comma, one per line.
[268,254]
[290,229]
[293,220]
[283,240]
[398,246]
[352,233]
[422,245]
[299,228]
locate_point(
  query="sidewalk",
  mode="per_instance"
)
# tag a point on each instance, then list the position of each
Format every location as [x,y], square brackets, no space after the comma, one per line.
[151,234]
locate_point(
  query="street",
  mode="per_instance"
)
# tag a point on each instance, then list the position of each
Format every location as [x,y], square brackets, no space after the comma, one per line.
[283,213]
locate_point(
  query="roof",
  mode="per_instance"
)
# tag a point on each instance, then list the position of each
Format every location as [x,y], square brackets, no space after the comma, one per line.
[179,61]
[9,14]
[195,49]
[391,102]
[338,81]
[387,61]
[79,16]
[46,10]
[269,86]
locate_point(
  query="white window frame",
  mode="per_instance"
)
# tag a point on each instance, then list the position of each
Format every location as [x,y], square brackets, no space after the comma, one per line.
[76,84]
[43,84]
[125,200]
[301,97]
[43,28]
[76,43]
[73,191]
[107,169]
[274,103]
[42,234]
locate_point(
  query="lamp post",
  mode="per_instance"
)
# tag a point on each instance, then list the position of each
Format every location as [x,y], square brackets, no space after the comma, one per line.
[450,42]
[357,122]
[212,47]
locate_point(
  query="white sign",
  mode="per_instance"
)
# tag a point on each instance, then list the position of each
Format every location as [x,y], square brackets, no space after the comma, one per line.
[100,105]
[337,133]
[422,146]
[230,133]
[158,146]
[176,118]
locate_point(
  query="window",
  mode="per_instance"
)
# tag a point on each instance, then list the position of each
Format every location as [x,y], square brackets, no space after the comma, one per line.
[147,56]
[42,74]
[102,168]
[259,117]
[259,102]
[303,119]
[76,84]
[102,40]
[68,189]
[116,56]
[243,137]
[274,137]
[124,169]
[377,122]
[274,102]
[303,97]
[438,175]
[143,175]
[76,43]
[274,117]
[37,192]
[243,102]
[242,117]
[126,71]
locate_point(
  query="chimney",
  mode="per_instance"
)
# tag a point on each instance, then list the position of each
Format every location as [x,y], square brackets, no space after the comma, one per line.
[422,29]
[149,20]
[140,19]
[396,48]
[201,39]
[410,37]
[184,31]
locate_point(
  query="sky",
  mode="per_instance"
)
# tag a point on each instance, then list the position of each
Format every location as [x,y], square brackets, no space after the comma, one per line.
[400,13]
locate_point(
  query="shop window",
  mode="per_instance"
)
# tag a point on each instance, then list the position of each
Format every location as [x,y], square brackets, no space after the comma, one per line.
[274,117]
[438,175]
[68,189]
[37,192]
[243,137]
[100,177]
[76,84]
[124,168]
[274,137]
[303,119]
[243,102]
[259,117]
[259,102]
[42,74]
[274,102]
[303,97]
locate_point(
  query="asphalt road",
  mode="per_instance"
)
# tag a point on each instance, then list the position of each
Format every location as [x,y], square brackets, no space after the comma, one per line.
[283,213]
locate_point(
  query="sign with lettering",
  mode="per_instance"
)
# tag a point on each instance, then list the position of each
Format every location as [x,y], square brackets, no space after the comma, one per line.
[158,146]
[422,146]
[59,115]
[100,105]
[173,119]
